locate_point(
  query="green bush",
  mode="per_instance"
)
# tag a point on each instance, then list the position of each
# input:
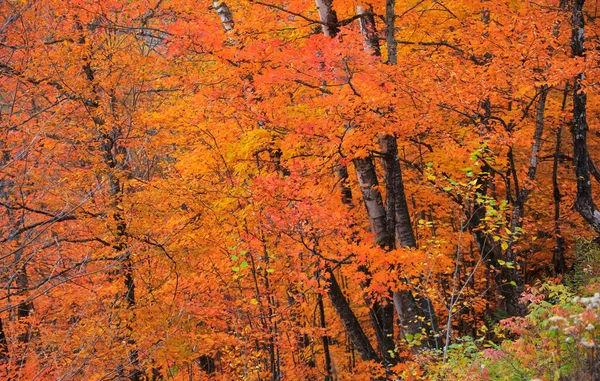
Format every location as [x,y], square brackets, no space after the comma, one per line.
[558,340]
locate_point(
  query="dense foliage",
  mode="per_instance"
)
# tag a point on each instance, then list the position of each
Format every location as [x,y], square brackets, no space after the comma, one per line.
[289,190]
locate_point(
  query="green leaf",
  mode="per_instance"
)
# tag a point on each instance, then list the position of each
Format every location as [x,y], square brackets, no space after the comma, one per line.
[243,265]
[234,257]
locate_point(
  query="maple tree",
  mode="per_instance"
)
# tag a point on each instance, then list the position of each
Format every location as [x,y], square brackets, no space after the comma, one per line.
[288,190]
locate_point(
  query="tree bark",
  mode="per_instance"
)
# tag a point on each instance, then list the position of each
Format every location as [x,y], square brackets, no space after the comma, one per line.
[325,339]
[584,202]
[367,179]
[415,312]
[341,172]
[390,32]
[382,314]
[510,280]
[3,345]
[558,255]
[328,17]
[411,309]
[225,14]
[349,321]
[368,30]
[110,151]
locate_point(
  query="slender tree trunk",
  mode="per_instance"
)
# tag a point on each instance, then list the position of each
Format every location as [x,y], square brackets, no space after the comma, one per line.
[558,256]
[367,179]
[510,280]
[381,313]
[349,321]
[110,150]
[325,339]
[584,202]
[390,32]
[120,245]
[24,309]
[341,172]
[3,347]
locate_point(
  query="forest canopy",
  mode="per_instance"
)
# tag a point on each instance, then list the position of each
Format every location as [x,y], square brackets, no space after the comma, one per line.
[297,190]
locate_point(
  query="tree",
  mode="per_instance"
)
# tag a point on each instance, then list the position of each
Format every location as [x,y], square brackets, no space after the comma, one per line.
[181,185]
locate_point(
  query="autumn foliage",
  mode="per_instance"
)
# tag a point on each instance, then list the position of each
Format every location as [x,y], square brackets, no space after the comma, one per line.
[291,190]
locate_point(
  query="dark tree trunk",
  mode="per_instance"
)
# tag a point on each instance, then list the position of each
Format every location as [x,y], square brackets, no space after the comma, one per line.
[415,312]
[511,281]
[390,33]
[325,339]
[558,256]
[3,345]
[377,313]
[491,251]
[341,172]
[396,198]
[584,202]
[25,308]
[381,313]
[349,321]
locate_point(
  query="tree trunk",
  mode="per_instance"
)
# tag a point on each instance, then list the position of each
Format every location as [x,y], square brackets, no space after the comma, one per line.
[341,172]
[367,179]
[411,309]
[510,280]
[558,256]
[225,14]
[415,312]
[390,32]
[328,17]
[368,30]
[325,339]
[111,151]
[3,345]
[349,320]
[382,314]
[584,202]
